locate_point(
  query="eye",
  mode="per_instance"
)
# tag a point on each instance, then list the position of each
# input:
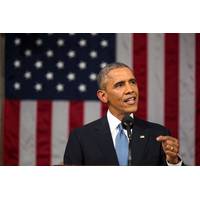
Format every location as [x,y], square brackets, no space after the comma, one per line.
[133,81]
[119,84]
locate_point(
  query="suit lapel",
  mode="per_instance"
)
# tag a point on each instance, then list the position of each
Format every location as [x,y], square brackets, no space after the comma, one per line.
[105,142]
[140,140]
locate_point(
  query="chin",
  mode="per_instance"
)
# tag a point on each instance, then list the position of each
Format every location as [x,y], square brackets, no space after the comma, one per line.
[131,110]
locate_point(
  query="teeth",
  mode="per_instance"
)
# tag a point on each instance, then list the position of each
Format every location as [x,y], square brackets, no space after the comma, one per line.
[130,99]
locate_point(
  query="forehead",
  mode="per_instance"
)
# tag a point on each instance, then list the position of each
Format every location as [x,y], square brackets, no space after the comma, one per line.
[120,73]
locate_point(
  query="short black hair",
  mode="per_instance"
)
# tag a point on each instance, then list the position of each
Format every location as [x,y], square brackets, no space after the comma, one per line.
[106,69]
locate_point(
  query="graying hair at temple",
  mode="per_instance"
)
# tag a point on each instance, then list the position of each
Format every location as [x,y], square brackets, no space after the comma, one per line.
[103,73]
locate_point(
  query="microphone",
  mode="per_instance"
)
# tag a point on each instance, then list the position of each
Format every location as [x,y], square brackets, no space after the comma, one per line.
[127,123]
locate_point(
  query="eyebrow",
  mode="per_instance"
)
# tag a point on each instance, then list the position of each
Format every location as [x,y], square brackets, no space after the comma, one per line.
[133,79]
[119,82]
[123,81]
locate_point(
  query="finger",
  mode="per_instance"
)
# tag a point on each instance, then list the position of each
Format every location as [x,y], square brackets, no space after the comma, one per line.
[170,148]
[171,143]
[162,138]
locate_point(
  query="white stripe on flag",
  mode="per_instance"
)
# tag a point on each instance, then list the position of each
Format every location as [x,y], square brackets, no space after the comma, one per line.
[60,130]
[155,78]
[187,98]
[124,48]
[27,138]
[92,111]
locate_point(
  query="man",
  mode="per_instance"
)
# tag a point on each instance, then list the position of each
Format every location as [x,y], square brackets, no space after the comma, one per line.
[105,142]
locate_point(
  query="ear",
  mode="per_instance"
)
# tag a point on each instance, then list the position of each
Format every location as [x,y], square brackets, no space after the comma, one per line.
[102,95]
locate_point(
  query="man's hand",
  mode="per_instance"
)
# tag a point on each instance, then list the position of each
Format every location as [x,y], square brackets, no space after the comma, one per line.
[171,148]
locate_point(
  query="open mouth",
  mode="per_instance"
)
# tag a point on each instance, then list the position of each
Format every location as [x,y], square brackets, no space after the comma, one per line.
[130,100]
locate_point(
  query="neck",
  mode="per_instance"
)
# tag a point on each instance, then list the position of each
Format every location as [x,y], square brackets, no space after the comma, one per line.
[121,115]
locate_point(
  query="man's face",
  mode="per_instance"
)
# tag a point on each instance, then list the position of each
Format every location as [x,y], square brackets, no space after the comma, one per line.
[121,92]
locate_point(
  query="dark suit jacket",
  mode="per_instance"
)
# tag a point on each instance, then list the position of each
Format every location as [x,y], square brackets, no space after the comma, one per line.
[92,144]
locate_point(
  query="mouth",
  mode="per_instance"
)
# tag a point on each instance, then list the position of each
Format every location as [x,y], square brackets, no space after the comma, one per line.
[130,100]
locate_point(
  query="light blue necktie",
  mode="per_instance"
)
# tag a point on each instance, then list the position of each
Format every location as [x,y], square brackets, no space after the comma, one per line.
[121,146]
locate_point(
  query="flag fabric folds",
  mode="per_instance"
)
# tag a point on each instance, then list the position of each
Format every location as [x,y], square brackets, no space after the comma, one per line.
[50,89]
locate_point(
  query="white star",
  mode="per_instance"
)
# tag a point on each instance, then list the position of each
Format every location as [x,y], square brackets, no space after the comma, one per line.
[60,64]
[104,43]
[17,86]
[93,34]
[82,65]
[17,63]
[71,34]
[71,76]
[93,54]
[60,42]
[49,75]
[27,75]
[93,76]
[71,54]
[49,53]
[82,42]
[38,64]
[103,64]
[38,42]
[28,52]
[17,41]
[59,87]
[82,88]
[38,86]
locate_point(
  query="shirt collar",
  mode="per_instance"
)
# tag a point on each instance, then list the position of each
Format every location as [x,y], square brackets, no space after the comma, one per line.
[113,121]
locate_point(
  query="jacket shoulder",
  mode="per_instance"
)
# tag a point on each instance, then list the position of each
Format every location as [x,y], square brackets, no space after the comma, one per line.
[147,125]
[87,128]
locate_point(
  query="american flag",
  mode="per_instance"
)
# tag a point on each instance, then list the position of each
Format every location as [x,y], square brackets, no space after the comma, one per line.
[51,88]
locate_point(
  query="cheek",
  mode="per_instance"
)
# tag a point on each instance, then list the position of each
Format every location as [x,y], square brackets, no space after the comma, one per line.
[136,89]
[115,97]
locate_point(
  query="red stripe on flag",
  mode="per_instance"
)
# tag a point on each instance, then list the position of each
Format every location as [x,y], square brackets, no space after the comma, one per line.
[43,130]
[76,114]
[172,83]
[140,70]
[11,132]
[197,113]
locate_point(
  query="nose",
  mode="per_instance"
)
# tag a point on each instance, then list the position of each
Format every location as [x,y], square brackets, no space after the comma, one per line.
[129,88]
